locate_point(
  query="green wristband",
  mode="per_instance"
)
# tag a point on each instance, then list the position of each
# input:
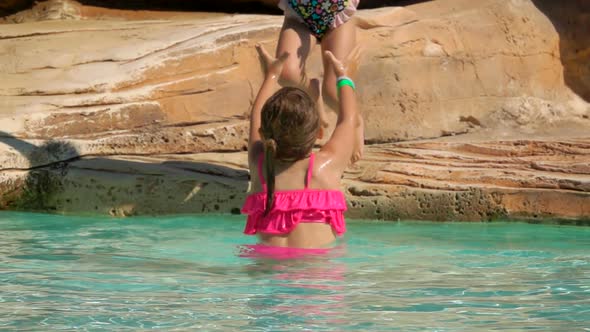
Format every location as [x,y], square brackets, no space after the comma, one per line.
[342,81]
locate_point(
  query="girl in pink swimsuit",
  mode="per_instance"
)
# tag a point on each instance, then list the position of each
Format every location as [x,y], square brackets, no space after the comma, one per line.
[295,198]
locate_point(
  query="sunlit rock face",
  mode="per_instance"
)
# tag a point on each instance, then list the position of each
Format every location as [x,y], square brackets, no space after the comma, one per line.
[474,110]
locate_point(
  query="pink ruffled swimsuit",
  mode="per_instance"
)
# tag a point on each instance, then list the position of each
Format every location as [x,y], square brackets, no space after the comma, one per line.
[292,207]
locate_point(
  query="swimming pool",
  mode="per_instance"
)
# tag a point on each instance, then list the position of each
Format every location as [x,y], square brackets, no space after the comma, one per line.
[187,273]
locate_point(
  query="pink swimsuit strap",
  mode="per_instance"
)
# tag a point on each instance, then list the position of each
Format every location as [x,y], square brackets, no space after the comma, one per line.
[309,170]
[307,178]
[291,207]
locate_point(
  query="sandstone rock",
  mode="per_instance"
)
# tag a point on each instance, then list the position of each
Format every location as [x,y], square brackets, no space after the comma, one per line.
[150,116]
[463,178]
[569,19]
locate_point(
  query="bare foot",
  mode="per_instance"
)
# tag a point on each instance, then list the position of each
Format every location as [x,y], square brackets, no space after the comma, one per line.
[272,66]
[315,92]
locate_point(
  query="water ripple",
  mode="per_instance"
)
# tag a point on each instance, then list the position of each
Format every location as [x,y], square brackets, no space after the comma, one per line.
[187,273]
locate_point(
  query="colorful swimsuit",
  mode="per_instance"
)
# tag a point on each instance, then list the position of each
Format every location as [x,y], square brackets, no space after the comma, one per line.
[292,207]
[320,16]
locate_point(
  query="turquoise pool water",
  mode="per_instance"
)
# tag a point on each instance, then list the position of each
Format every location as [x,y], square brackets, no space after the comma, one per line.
[186,273]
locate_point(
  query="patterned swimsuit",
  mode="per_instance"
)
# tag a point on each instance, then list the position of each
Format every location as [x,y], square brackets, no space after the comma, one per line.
[318,15]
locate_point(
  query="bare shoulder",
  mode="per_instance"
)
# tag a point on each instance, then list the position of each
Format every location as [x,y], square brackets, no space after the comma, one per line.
[327,170]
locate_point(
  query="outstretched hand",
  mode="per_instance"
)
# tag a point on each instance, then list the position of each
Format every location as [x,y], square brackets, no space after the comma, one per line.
[272,66]
[347,67]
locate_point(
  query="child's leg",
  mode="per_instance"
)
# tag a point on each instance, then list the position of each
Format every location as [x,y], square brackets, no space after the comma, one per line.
[296,39]
[341,41]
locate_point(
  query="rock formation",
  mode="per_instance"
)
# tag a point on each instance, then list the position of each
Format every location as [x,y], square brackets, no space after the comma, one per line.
[472,111]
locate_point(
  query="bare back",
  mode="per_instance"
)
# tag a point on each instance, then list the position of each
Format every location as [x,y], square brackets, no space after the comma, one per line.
[292,176]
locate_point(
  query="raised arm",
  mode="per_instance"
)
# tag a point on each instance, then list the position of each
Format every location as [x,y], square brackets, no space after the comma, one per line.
[342,144]
[272,70]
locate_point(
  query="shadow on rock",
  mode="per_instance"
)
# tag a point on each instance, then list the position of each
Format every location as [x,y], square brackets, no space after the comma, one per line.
[228,6]
[571,20]
[59,180]
[48,162]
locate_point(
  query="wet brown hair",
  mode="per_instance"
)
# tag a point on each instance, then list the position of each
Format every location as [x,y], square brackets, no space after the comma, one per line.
[289,128]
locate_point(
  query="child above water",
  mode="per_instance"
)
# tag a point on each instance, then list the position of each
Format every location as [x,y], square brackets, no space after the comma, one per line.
[296,198]
[329,23]
[308,22]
